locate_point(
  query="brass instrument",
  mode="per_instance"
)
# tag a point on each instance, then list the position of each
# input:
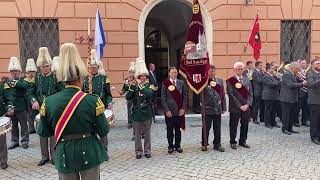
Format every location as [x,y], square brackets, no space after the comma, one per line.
[249,74]
[303,77]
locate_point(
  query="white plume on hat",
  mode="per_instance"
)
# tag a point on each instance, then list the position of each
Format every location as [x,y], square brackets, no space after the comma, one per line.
[31,66]
[14,64]
[140,68]
[131,67]
[55,63]
[95,61]
[71,68]
[44,57]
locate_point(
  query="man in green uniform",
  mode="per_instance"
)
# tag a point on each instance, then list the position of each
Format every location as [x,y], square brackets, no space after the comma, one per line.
[31,70]
[20,115]
[100,86]
[6,101]
[45,84]
[75,119]
[140,92]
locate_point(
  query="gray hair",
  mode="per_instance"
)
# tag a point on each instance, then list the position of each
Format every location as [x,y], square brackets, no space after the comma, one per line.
[294,64]
[237,64]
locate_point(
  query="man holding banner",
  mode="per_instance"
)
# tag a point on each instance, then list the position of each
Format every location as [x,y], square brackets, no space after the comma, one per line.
[194,66]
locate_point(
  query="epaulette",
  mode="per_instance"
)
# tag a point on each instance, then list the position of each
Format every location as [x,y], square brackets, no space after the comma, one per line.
[43,108]
[29,80]
[12,84]
[153,87]
[107,80]
[6,86]
[100,107]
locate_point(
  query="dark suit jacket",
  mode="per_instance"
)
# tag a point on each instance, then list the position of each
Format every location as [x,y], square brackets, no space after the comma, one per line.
[235,98]
[153,79]
[214,104]
[271,87]
[257,83]
[313,79]
[289,88]
[168,103]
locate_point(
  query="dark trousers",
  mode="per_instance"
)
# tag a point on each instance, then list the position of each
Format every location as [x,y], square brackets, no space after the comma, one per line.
[258,108]
[173,131]
[20,118]
[304,107]
[270,112]
[129,106]
[3,149]
[314,121]
[278,110]
[233,126]
[215,121]
[288,114]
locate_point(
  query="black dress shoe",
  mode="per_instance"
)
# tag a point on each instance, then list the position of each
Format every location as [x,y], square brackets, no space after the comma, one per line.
[138,156]
[133,138]
[245,145]
[13,146]
[129,126]
[218,148]
[25,146]
[4,165]
[179,150]
[203,148]
[233,146]
[170,150]
[52,162]
[305,124]
[32,132]
[276,126]
[286,132]
[292,131]
[256,122]
[148,155]
[296,125]
[269,126]
[316,141]
[43,162]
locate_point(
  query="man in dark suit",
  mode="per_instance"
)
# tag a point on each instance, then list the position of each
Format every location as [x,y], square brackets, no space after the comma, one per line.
[270,96]
[248,72]
[153,81]
[258,107]
[174,102]
[289,97]
[240,98]
[313,79]
[215,105]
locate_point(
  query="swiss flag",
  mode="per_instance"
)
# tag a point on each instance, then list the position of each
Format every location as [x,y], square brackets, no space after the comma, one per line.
[255,40]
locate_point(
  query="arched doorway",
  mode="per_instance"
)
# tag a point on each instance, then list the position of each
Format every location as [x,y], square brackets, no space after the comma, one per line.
[162,32]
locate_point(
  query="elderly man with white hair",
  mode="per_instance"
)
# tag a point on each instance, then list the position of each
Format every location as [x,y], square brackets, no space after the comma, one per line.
[289,97]
[240,99]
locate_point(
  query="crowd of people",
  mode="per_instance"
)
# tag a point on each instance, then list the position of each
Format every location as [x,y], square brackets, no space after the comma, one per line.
[65,106]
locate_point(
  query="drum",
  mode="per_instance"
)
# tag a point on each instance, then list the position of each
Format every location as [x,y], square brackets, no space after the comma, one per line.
[36,120]
[5,125]
[109,115]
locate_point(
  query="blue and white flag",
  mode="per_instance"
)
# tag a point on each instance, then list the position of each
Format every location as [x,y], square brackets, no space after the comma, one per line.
[100,40]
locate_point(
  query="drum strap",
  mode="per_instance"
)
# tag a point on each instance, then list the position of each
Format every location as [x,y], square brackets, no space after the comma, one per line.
[67,113]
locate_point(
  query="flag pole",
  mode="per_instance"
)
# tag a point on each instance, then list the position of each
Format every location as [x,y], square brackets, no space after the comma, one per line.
[90,42]
[204,126]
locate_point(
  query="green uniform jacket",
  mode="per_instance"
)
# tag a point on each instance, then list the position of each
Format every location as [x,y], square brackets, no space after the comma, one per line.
[141,96]
[6,97]
[20,87]
[100,87]
[44,86]
[75,155]
[29,103]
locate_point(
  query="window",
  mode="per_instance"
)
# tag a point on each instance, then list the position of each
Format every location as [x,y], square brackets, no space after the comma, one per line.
[36,33]
[295,40]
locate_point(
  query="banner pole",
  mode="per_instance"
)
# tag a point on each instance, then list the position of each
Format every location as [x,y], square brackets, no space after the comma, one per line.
[203,115]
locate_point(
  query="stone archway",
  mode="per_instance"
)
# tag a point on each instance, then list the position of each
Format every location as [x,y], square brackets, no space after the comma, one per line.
[153,3]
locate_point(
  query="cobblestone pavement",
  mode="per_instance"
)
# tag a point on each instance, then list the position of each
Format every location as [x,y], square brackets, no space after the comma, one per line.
[272,156]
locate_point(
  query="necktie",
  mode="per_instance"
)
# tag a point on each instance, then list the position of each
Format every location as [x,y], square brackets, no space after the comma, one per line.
[240,79]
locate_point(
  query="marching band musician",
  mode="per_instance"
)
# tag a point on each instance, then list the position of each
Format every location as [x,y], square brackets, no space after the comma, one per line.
[258,107]
[313,78]
[46,83]
[31,70]
[270,96]
[289,97]
[75,119]
[240,98]
[18,83]
[215,105]
[174,102]
[7,108]
[140,92]
[100,87]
